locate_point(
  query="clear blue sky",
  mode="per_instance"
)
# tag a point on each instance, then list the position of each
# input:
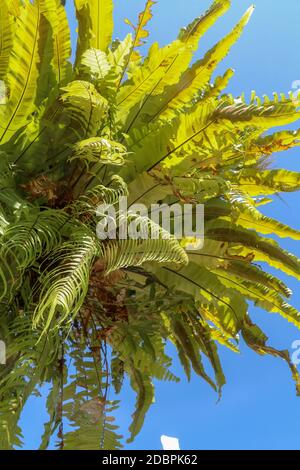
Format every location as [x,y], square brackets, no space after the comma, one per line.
[259,409]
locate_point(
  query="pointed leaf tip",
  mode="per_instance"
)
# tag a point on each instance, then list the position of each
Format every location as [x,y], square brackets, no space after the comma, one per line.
[250,10]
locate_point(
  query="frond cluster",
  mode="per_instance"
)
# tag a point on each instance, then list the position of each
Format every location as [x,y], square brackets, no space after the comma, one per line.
[78,313]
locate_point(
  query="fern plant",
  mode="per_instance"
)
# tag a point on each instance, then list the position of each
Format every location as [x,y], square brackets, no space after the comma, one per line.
[77,313]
